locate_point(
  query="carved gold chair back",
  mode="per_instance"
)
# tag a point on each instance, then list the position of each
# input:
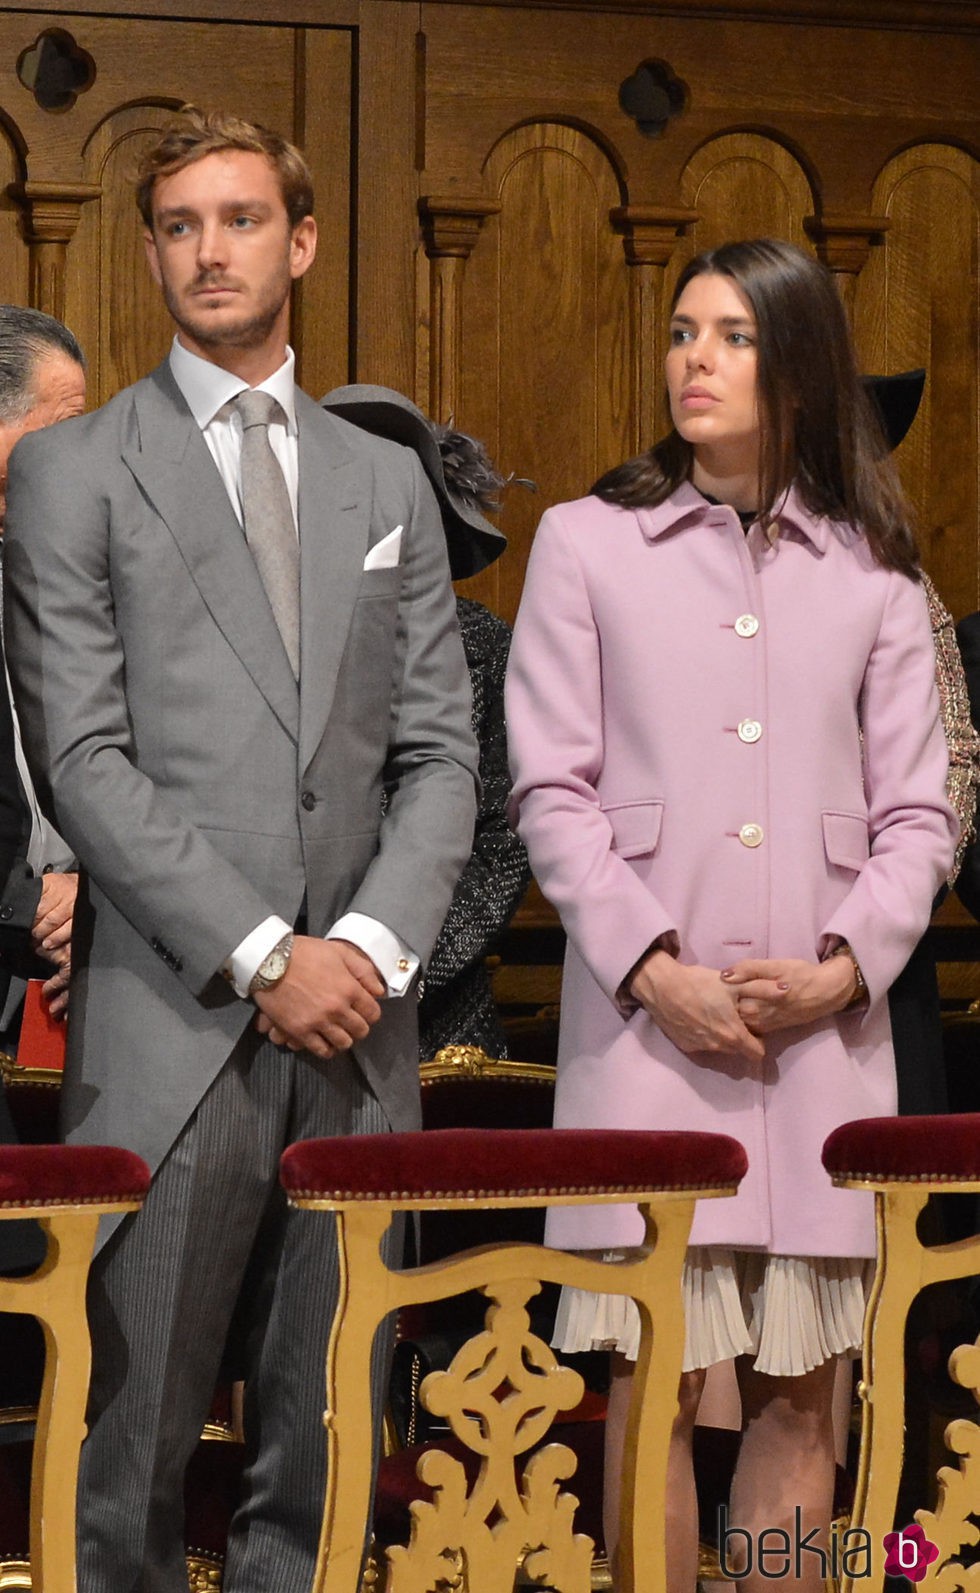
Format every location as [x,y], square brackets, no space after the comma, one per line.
[504,1386]
[904,1160]
[66,1188]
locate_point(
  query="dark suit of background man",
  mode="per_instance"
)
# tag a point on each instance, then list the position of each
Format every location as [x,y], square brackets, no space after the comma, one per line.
[214,801]
[42,380]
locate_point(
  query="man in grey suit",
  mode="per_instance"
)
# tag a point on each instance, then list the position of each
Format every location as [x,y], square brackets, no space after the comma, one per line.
[270,805]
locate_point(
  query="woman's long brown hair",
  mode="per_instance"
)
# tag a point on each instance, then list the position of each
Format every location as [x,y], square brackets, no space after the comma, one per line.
[818,427]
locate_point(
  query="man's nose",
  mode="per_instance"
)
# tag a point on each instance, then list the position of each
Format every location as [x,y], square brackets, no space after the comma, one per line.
[212,247]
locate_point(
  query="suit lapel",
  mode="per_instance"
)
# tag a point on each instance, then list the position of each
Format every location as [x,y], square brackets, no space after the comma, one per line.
[334,524]
[175,469]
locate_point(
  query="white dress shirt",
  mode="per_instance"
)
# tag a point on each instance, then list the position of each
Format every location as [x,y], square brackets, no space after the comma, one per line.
[209,390]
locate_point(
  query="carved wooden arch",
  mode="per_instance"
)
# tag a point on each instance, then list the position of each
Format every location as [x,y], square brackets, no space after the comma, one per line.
[14,259]
[108,251]
[587,138]
[745,184]
[916,304]
[545,364]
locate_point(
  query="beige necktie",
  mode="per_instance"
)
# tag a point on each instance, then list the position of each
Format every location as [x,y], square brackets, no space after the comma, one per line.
[270,530]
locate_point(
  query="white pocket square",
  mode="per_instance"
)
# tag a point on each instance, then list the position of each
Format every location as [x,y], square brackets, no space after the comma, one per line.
[384,554]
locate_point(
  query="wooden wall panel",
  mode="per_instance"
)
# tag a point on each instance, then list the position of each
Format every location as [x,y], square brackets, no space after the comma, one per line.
[916,304]
[323,306]
[389,136]
[545,370]
[13,256]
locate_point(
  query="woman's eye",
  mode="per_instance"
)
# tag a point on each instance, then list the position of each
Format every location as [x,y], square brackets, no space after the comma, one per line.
[740,339]
[680,334]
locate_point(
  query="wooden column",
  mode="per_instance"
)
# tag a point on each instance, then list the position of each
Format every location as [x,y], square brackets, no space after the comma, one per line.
[51,212]
[450,228]
[844,243]
[650,235]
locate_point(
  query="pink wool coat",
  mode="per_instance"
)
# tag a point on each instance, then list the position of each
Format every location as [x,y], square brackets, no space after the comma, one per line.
[737,745]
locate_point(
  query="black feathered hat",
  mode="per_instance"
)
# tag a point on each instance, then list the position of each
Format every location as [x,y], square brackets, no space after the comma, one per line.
[459,468]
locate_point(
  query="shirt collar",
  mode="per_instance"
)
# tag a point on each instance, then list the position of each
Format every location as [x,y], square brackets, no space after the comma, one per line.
[207,387]
[687,508]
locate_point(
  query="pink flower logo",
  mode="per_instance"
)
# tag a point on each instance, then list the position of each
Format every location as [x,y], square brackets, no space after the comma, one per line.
[909,1553]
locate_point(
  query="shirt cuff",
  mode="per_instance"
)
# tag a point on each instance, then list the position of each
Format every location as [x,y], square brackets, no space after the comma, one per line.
[247,957]
[396,963]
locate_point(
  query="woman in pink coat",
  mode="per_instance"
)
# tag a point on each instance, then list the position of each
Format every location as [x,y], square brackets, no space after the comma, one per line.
[729,773]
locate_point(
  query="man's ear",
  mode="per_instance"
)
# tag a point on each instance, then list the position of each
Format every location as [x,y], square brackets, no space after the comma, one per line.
[153,260]
[302,247]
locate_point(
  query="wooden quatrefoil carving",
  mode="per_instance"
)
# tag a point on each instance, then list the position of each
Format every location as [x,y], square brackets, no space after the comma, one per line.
[56,70]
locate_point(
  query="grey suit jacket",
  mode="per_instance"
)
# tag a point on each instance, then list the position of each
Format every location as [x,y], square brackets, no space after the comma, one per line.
[200,788]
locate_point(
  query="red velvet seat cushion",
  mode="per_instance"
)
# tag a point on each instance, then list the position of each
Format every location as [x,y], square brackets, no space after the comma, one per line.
[487,1163]
[68,1175]
[906,1149]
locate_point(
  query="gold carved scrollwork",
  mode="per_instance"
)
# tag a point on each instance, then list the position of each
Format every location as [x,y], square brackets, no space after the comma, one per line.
[500,1396]
[952,1526]
[203,1575]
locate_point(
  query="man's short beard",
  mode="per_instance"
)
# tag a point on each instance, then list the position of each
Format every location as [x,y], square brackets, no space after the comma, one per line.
[246,334]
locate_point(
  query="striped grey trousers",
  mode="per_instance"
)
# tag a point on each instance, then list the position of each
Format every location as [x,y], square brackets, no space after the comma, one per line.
[217,1248]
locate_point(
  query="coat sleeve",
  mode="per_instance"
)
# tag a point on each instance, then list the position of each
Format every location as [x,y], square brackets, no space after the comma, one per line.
[555,730]
[912,828]
[68,673]
[431,763]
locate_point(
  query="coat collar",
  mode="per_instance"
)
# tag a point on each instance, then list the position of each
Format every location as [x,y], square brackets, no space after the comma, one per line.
[686,508]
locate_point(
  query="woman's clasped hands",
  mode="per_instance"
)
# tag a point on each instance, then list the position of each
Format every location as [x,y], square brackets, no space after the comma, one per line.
[702,1009]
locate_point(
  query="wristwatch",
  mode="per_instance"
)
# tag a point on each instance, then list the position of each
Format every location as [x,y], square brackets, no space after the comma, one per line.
[273,966]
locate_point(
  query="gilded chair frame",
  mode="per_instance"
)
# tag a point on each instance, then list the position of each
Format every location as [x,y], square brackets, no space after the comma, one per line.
[55,1295]
[906,1265]
[370,1290]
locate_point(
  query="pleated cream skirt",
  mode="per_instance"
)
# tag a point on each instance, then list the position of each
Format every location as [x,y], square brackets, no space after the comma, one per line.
[790,1312]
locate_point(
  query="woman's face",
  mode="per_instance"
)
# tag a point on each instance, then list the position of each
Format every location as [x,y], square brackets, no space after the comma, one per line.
[711,374]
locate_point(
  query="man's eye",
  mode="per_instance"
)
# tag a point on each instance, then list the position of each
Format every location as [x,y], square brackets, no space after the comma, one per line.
[243,222]
[176,229]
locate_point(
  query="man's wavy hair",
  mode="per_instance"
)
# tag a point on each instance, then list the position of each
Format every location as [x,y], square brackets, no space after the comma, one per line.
[195,133]
[818,428]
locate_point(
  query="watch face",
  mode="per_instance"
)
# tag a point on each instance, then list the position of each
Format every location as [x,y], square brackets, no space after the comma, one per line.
[272,967]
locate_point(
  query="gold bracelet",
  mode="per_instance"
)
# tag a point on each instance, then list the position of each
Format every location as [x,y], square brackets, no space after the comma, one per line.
[860,985]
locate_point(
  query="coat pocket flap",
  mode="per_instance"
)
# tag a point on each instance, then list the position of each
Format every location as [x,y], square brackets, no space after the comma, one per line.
[845,840]
[635,827]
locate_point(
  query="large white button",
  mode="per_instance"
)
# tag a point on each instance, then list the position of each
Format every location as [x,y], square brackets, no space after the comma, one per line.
[750,835]
[746,625]
[749,730]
